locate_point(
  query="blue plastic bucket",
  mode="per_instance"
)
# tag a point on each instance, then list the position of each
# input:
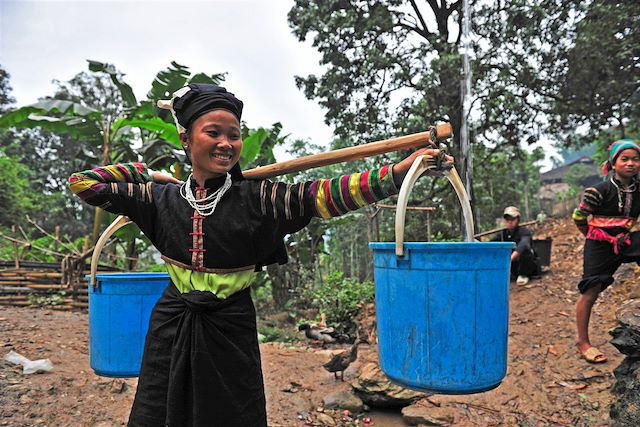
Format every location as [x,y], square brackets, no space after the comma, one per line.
[443,312]
[119,310]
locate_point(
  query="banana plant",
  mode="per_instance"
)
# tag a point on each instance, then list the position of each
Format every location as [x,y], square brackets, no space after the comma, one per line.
[113,137]
[139,131]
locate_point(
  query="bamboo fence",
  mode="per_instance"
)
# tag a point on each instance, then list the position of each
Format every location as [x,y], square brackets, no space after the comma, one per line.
[35,283]
[60,285]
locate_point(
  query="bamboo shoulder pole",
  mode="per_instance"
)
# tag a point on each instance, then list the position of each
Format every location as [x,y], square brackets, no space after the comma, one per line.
[495,230]
[442,131]
[409,208]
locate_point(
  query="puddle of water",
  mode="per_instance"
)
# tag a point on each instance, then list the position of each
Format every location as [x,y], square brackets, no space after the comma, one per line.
[388,418]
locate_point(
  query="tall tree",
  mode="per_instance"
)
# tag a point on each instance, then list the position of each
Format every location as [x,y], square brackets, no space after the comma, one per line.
[600,87]
[542,70]
[6,100]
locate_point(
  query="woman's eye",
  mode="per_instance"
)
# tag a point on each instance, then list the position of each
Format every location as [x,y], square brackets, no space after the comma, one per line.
[213,134]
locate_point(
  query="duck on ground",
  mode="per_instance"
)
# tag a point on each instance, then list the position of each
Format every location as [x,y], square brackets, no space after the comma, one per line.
[341,361]
[320,333]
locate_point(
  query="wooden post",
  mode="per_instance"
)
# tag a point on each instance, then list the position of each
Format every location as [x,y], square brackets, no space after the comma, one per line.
[428,226]
[85,247]
[56,238]
[15,246]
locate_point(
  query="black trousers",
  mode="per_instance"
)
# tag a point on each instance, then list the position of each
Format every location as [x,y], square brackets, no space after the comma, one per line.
[525,265]
[201,364]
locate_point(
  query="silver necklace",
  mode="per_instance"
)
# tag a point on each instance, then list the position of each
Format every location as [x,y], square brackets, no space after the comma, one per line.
[630,189]
[207,205]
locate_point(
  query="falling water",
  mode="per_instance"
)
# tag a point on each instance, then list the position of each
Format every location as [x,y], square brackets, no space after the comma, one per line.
[465,90]
[465,93]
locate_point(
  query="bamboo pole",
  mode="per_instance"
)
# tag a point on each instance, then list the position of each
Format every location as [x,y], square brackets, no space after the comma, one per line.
[27,244]
[410,208]
[496,230]
[56,238]
[48,287]
[442,131]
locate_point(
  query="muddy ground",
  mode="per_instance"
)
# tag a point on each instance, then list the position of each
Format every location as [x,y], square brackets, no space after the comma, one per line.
[546,384]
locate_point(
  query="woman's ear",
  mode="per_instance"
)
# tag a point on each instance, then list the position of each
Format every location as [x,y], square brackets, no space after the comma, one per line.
[184,140]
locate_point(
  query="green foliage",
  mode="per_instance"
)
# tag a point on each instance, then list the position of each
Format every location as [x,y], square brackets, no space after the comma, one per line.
[152,268]
[339,297]
[96,119]
[600,86]
[509,177]
[274,333]
[576,175]
[6,100]
[251,146]
[261,291]
[16,198]
[575,178]
[39,249]
[45,299]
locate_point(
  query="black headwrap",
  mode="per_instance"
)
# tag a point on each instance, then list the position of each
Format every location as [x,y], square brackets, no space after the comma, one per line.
[203,98]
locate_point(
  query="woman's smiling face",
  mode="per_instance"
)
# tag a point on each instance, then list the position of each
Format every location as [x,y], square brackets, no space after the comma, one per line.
[214,144]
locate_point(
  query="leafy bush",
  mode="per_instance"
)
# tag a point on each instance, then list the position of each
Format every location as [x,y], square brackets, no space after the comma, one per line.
[54,298]
[339,299]
[31,253]
[273,333]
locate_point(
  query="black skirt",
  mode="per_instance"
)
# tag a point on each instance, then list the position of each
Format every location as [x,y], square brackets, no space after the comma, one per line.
[600,262]
[201,363]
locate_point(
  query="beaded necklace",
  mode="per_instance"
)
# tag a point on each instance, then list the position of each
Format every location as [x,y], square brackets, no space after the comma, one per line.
[622,204]
[207,205]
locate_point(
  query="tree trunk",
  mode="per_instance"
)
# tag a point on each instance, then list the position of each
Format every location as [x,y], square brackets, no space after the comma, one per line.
[97,225]
[106,151]
[279,287]
[131,253]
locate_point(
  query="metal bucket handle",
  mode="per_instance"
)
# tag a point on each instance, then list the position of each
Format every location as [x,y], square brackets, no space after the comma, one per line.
[119,222]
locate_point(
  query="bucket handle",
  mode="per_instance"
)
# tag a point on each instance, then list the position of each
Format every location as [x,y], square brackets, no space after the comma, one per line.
[118,223]
[420,165]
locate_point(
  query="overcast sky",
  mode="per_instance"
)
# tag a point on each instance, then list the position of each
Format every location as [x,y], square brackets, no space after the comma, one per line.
[43,40]
[249,39]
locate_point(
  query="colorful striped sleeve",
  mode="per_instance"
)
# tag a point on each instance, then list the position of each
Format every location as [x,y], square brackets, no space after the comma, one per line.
[105,180]
[337,196]
[293,205]
[590,202]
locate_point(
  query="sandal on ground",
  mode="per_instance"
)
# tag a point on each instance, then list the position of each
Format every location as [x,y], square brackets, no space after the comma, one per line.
[593,355]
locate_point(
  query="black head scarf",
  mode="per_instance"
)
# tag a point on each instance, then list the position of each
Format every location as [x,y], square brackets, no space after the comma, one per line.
[203,98]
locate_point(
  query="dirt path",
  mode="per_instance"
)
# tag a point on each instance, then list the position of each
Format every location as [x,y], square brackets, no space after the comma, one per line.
[546,383]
